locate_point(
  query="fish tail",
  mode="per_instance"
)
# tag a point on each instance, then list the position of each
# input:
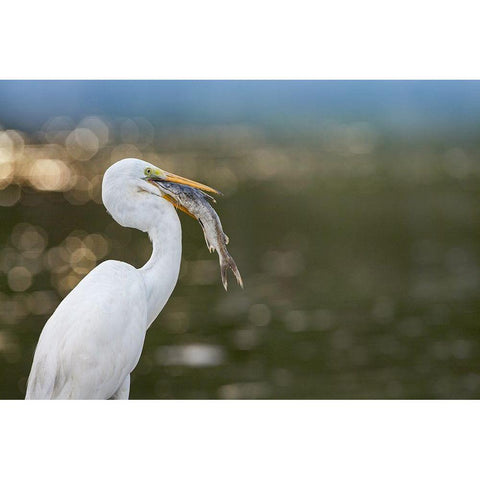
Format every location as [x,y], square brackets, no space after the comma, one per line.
[227,262]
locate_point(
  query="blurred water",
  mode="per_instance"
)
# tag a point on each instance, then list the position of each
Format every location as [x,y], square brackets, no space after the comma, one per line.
[360,254]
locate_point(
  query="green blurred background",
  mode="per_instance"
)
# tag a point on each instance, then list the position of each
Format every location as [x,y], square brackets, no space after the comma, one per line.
[351,209]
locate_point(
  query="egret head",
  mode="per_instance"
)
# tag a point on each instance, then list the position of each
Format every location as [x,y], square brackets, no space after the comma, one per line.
[131,196]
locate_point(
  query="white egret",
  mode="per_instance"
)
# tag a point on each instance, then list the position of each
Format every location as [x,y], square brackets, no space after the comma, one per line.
[93,340]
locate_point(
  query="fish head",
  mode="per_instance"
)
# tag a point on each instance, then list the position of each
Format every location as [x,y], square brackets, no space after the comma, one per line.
[180,191]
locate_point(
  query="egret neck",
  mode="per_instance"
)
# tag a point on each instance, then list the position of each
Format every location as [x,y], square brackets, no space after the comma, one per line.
[160,273]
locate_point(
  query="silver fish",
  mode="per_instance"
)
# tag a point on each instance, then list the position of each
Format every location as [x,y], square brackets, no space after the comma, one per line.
[197,204]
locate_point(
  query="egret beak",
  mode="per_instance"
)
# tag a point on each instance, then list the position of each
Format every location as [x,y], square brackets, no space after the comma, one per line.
[171,177]
[159,176]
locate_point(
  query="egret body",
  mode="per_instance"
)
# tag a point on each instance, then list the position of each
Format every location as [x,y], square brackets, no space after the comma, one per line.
[94,339]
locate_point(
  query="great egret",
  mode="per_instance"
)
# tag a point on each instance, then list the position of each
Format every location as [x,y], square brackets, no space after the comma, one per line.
[94,339]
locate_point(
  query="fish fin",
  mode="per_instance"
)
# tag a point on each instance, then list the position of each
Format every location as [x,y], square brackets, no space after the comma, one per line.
[210,247]
[206,195]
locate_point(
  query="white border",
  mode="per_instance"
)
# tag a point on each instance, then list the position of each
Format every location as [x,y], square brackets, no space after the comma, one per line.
[259,39]
[240,439]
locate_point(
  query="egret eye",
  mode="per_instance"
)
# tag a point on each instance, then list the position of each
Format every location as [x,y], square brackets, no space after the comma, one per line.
[148,171]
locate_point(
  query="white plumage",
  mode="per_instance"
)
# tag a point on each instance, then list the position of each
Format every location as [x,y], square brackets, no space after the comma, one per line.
[94,339]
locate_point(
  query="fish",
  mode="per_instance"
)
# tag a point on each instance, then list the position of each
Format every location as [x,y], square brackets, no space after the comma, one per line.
[196,203]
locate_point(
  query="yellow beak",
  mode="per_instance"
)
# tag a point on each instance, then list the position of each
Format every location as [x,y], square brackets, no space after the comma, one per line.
[171,177]
[162,175]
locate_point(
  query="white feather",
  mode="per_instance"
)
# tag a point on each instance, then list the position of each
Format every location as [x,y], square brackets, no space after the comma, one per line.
[94,338]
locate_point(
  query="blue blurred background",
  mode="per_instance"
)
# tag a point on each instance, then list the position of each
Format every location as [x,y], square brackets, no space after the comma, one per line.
[352,209]
[398,107]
